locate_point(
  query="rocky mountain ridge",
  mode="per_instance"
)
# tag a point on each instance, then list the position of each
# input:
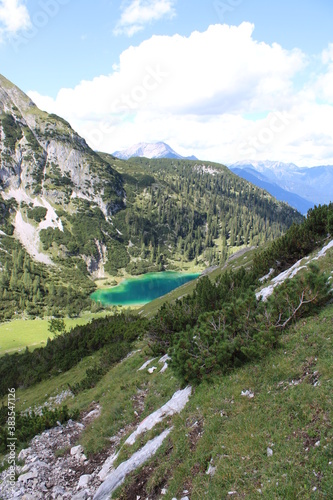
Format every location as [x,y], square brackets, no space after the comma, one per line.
[44,162]
[43,155]
[262,181]
[150,150]
[299,186]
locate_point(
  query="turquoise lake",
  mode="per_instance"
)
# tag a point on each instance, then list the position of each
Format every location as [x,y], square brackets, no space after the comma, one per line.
[143,289]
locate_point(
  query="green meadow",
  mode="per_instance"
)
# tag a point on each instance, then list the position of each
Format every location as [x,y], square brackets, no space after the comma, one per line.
[18,334]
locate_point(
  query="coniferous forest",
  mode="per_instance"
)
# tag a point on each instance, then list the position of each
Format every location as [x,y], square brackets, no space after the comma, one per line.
[221,325]
[176,213]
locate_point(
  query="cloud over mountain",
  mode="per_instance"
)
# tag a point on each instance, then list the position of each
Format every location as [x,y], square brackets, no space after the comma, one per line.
[219,94]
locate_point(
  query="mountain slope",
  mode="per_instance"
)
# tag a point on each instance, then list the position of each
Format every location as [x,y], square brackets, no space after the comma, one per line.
[69,215]
[313,184]
[260,180]
[150,150]
[256,428]
[48,168]
[192,211]
[42,155]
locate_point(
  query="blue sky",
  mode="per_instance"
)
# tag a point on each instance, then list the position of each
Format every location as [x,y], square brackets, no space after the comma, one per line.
[222,79]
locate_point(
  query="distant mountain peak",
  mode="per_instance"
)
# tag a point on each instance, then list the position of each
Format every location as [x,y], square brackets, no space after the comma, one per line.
[301,187]
[261,165]
[150,150]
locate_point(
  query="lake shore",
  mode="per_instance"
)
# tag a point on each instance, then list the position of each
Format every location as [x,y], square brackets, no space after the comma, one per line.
[140,290]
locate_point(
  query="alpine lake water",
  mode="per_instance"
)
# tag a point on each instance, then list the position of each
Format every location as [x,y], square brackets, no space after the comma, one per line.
[143,289]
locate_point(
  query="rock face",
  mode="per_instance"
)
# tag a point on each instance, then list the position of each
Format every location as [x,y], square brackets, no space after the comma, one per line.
[95,264]
[44,475]
[117,476]
[56,468]
[45,163]
[42,154]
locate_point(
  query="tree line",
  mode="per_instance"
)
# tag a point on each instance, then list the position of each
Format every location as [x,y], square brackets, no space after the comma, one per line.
[222,325]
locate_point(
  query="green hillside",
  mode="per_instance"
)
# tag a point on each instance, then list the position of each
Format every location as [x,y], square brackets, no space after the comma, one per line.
[178,214]
[70,216]
[258,422]
[179,211]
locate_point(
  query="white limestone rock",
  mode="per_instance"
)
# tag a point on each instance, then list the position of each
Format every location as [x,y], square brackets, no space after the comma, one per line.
[84,481]
[174,405]
[117,477]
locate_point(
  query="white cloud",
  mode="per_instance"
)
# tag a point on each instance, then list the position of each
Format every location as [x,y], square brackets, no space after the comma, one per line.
[14,17]
[139,13]
[197,92]
[324,81]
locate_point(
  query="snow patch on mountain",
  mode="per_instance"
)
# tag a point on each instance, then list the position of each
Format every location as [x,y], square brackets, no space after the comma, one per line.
[51,219]
[26,232]
[150,150]
[19,195]
[277,167]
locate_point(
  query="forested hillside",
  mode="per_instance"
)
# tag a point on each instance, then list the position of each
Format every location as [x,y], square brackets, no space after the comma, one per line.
[32,287]
[220,325]
[176,213]
[69,215]
[250,343]
[179,210]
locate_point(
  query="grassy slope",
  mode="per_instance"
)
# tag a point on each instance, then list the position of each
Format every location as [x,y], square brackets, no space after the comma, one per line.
[221,426]
[234,431]
[18,334]
[289,414]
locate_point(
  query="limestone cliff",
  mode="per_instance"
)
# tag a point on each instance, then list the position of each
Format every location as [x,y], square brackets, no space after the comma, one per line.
[42,154]
[45,163]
